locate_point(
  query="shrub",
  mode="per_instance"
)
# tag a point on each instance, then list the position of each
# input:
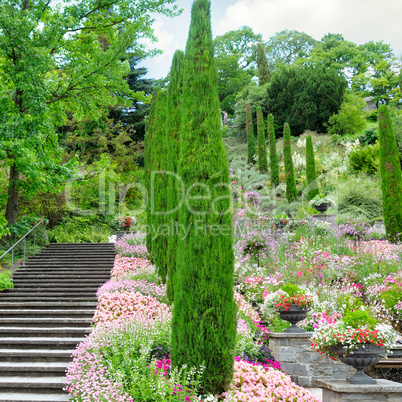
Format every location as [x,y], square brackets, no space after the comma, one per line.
[365,159]
[273,157]
[391,176]
[360,196]
[262,146]
[349,119]
[5,280]
[291,192]
[311,174]
[250,136]
[369,137]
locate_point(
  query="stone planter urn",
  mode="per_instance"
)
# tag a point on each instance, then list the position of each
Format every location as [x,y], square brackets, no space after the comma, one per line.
[293,315]
[322,207]
[365,355]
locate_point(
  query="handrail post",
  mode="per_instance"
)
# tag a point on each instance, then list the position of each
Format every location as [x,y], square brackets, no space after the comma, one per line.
[12,263]
[34,240]
[25,246]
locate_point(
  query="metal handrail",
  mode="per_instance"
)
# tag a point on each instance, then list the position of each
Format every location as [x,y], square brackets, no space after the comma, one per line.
[25,243]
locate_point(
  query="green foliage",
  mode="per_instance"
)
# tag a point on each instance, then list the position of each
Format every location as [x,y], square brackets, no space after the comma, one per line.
[292,289]
[355,319]
[56,61]
[360,196]
[3,227]
[305,97]
[235,60]
[365,159]
[311,173]
[173,153]
[256,96]
[158,184]
[369,137]
[263,73]
[286,47]
[204,313]
[391,297]
[350,119]
[273,157]
[81,229]
[5,280]
[291,192]
[251,154]
[262,146]
[391,176]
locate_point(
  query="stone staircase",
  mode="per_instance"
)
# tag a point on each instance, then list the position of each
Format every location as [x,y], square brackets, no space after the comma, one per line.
[46,315]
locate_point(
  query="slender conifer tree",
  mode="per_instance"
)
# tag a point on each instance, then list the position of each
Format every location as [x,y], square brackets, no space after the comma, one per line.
[262,65]
[250,135]
[291,192]
[273,157]
[391,176]
[204,313]
[175,90]
[262,145]
[149,128]
[158,191]
[311,174]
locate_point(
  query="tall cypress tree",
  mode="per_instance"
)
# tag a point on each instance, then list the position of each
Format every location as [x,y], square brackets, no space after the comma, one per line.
[262,65]
[291,192]
[273,157]
[148,146]
[262,146]
[391,180]
[158,191]
[173,152]
[204,313]
[311,174]
[250,135]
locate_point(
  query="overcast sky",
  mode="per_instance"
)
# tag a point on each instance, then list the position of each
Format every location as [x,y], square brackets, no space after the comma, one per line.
[358,20]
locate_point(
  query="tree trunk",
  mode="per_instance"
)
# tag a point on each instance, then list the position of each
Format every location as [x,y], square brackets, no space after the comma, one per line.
[12,201]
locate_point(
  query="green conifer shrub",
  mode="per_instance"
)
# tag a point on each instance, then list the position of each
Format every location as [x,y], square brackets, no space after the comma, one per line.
[262,146]
[273,157]
[158,191]
[291,192]
[204,313]
[391,176]
[173,152]
[262,65]
[311,173]
[149,128]
[250,135]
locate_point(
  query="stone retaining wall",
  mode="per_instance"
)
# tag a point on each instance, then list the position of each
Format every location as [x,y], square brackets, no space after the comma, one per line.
[304,365]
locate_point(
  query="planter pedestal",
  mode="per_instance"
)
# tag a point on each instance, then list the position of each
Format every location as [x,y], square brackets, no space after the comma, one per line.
[122,233]
[338,391]
[304,365]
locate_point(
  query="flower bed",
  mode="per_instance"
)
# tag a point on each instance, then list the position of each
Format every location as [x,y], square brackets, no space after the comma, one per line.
[126,357]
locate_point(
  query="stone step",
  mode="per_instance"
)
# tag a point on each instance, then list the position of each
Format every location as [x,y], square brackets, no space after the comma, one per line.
[35,355]
[55,343]
[58,284]
[47,290]
[34,369]
[32,397]
[21,331]
[26,384]
[50,322]
[24,313]
[72,278]
[48,299]
[47,305]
